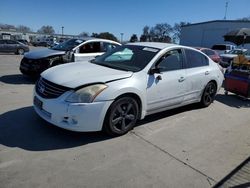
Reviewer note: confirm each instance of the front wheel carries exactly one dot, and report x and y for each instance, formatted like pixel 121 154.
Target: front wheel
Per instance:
pixel 20 51
pixel 208 94
pixel 121 117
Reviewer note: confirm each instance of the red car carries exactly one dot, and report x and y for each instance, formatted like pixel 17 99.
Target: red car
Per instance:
pixel 210 53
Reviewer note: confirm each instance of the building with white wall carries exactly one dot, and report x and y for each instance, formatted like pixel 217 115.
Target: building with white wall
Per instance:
pixel 206 34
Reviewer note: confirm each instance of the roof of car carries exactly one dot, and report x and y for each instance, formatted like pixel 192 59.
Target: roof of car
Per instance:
pixel 96 39
pixel 159 45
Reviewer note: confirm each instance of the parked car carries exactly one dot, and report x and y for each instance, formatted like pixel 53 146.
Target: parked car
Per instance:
pixel 210 53
pixel 23 41
pixel 44 44
pixel 13 46
pixel 228 57
pixel 223 48
pixel 124 85
pixel 35 62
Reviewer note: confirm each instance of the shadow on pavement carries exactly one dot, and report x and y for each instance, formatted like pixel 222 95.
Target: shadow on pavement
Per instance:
pixel 17 79
pixel 24 129
pixel 233 100
pixel 168 113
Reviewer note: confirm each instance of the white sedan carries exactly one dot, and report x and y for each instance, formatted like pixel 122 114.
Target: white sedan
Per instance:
pixel 120 87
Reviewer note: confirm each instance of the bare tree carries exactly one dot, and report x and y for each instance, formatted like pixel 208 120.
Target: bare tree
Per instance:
pixel 245 18
pixel 23 29
pixel 104 35
pixel 46 29
pixel 161 32
pixel 84 34
pixel 177 30
pixel 7 26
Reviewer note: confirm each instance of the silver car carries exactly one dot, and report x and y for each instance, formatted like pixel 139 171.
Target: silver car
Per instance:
pixel 13 47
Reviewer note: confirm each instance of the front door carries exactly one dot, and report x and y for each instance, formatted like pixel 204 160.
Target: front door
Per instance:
pixel 88 51
pixel 167 88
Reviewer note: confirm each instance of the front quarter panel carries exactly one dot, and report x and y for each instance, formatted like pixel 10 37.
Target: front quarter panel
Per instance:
pixel 136 84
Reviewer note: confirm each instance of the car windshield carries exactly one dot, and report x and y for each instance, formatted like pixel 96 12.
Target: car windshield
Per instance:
pixel 127 57
pixel 68 45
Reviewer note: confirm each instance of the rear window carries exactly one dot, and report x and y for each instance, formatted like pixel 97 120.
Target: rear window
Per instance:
pixel 195 59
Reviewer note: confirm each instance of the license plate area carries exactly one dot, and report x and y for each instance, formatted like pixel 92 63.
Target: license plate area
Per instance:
pixel 38 103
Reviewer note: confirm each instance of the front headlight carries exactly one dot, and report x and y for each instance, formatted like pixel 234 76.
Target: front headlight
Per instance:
pixel 86 94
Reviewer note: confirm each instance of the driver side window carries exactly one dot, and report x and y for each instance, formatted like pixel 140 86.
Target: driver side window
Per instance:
pixel 172 60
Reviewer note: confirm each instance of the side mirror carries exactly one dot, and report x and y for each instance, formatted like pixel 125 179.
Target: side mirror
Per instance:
pixel 155 70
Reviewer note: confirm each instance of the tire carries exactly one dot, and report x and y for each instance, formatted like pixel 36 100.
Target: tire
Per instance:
pixel 20 51
pixel 121 116
pixel 208 94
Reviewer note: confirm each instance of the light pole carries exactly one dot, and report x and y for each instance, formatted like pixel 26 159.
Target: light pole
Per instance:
pixel 62 30
pixel 122 37
pixel 225 17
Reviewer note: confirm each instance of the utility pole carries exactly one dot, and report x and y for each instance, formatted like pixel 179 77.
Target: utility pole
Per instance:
pixel 225 17
pixel 62 30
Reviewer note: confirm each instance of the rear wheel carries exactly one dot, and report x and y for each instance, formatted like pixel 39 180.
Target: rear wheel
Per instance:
pixel 121 117
pixel 208 94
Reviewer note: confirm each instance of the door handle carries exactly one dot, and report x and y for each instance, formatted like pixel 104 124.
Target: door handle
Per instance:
pixel 207 73
pixel 181 79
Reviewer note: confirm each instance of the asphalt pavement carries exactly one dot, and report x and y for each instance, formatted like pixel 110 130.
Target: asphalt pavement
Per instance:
pixel 185 147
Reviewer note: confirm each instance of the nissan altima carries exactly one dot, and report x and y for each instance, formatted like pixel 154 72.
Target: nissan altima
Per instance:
pixel 124 85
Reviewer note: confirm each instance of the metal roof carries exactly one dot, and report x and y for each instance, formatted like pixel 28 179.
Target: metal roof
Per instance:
pixel 218 21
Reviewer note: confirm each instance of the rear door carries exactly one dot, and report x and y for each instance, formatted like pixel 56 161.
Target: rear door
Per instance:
pixel 88 51
pixel 197 73
pixel 11 46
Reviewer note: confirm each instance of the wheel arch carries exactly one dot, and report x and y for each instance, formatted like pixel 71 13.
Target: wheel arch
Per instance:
pixel 134 96
pixel 215 82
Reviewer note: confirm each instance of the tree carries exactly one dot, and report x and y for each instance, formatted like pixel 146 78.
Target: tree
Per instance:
pixel 84 34
pixel 161 33
pixel 7 26
pixel 46 29
pixel 105 35
pixel 23 29
pixel 143 38
pixel 177 30
pixel 158 33
pixel 133 38
pixel 146 33
pixel 245 18
pixel 95 35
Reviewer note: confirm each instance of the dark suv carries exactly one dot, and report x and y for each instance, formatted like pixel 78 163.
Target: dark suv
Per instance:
pixel 13 46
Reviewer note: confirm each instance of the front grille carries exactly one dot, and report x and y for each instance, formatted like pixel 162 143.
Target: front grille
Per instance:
pixel 49 90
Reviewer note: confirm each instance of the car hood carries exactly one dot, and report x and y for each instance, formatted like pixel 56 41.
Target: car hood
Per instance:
pixel 73 75
pixel 38 54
